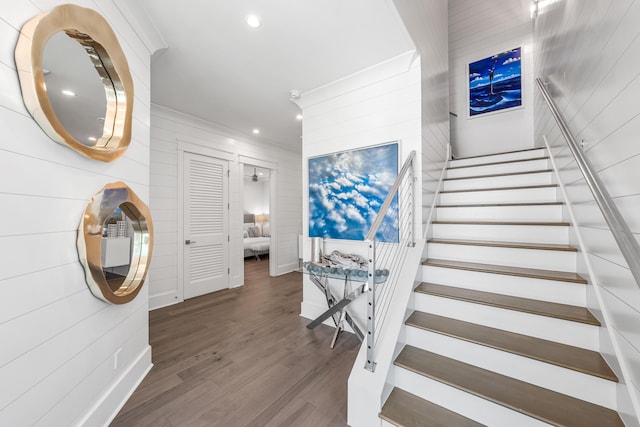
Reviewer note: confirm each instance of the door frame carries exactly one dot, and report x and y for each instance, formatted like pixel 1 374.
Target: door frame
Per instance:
pixel 203 151
pixel 273 208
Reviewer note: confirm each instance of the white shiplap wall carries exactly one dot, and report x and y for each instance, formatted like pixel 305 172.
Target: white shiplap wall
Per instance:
pixel 478 29
pixel 379 105
pixel 171 128
pixel 58 341
pixel 588 51
pixel 427 25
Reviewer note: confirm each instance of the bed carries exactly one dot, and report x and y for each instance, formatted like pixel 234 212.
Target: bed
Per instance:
pixel 256 238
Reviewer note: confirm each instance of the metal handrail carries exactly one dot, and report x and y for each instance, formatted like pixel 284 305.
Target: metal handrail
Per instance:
pixel 375 227
pixel 388 257
pixel 621 232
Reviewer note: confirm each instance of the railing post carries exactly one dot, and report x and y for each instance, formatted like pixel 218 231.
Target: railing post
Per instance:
pixel 371 303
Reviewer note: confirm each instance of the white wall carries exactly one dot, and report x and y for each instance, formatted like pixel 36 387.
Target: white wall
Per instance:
pixel 427 25
pixel 381 104
pixel 58 340
pixel 169 130
pixel 256 196
pixel 588 51
pixel 478 29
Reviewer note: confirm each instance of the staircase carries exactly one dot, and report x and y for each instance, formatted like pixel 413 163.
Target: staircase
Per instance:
pixel 500 335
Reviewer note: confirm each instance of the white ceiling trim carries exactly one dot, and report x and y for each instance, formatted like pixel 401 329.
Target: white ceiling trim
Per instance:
pixel 369 76
pixel 142 25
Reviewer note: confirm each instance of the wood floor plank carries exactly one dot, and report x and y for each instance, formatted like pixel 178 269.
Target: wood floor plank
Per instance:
pixel 575 358
pixel 499 162
pixel 535 273
pixel 408 410
pixel 242 357
pixel 546 405
pixel 524 187
pixel 514 245
pixel 571 313
pixel 499 174
pixel 463 222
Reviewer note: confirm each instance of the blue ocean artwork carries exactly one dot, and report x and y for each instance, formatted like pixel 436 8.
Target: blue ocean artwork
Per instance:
pixel 495 83
pixel 346 191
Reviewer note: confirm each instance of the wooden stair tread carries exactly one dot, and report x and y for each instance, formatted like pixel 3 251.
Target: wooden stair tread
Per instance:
pixel 497 154
pixel 408 410
pixel 571 313
pixel 499 163
pixel 524 187
pixel 500 174
pixel 475 205
pixel 515 245
pixel 535 273
pixel 566 356
pixel 552 224
pixel 546 405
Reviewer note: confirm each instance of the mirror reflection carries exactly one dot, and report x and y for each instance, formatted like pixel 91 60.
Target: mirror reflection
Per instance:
pixel 76 82
pixel 117 248
pixel 115 243
pixel 74 88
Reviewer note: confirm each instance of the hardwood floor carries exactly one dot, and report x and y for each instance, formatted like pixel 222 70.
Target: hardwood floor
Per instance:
pixel 243 357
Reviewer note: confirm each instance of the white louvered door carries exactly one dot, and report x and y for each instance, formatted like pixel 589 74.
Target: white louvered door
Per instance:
pixel 206 195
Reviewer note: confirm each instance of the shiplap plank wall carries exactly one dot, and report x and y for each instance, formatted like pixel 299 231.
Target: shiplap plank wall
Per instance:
pixel 384 109
pixel 478 29
pixel 58 340
pixel 588 51
pixel 169 127
pixel 427 24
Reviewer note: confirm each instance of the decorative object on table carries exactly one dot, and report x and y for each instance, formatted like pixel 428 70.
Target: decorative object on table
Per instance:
pixel 103 285
pixel 347 189
pixel 73 49
pixel 495 83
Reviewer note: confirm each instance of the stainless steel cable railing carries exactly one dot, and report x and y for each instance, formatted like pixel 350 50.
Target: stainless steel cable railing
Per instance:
pixel 392 234
pixel 618 226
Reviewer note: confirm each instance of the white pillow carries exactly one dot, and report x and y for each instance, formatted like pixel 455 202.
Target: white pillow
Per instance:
pixel 266 230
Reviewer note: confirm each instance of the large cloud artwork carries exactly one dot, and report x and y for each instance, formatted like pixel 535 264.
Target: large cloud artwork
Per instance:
pixel 347 189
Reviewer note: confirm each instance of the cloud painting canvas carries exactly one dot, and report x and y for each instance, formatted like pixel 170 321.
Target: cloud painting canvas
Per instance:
pixel 347 189
pixel 495 83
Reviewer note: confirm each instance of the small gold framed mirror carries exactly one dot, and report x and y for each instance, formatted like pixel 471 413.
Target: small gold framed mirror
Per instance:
pixel 115 243
pixel 76 82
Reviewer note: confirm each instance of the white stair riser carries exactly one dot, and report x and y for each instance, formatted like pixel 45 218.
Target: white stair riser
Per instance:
pixel 536 213
pixel 513 257
pixel 503 233
pixel 566 381
pixel 545 194
pixel 499 158
pixel 518 180
pixel 562 331
pixel 524 287
pixel 466 404
pixel 529 165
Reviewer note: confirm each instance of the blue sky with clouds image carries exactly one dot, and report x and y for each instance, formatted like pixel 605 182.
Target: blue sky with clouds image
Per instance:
pixel 347 189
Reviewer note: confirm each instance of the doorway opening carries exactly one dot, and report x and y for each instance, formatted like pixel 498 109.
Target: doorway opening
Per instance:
pixel 256 213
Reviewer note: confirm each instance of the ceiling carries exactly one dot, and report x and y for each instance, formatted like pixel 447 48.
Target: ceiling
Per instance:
pixel 219 69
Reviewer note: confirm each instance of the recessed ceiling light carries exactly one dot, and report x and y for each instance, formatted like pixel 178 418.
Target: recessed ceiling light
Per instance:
pixel 253 21
pixel 256 131
pixel 299 116
pixel 69 92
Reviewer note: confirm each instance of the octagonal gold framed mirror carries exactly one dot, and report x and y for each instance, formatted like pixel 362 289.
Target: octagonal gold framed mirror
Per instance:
pixel 76 82
pixel 115 243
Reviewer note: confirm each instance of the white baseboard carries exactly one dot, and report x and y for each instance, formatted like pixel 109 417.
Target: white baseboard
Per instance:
pixel 163 300
pixel 112 401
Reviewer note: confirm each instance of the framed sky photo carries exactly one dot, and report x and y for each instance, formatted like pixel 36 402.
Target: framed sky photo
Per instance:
pixel 347 189
pixel 495 83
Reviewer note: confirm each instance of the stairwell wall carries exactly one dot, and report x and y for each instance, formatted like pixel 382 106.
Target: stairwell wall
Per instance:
pixel 478 29
pixel 66 358
pixel 588 52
